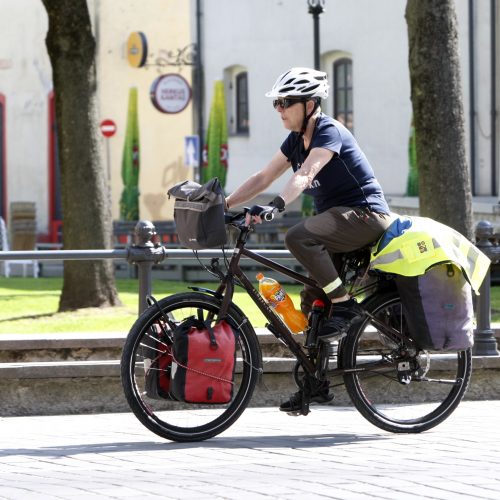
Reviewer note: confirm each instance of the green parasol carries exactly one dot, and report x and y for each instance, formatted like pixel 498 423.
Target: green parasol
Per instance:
pixel 215 152
pixel 129 201
pixel 412 182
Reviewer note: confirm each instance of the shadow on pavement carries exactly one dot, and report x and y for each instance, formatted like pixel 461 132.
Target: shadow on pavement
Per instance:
pixel 233 442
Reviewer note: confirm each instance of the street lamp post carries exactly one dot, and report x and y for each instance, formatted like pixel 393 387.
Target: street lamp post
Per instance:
pixel 316 7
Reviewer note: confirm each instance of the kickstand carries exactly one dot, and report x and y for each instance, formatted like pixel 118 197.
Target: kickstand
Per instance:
pixel 306 397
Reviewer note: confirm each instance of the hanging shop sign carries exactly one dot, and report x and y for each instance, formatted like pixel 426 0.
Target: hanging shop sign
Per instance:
pixel 170 93
pixel 137 49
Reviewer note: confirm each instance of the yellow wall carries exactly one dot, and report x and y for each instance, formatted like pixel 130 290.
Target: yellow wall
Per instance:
pixel 167 28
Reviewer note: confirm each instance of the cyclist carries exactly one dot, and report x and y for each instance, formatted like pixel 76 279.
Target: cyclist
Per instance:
pixel 329 165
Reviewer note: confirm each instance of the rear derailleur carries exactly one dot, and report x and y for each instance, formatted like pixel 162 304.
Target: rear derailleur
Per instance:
pixel 408 369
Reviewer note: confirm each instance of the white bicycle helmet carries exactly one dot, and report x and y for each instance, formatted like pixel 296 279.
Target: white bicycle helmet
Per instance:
pixel 301 82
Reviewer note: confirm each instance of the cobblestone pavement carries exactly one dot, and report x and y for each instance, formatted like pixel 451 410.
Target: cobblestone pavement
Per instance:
pixel 332 453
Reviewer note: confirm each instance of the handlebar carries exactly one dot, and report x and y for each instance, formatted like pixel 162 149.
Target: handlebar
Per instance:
pixel 238 219
pixel 235 219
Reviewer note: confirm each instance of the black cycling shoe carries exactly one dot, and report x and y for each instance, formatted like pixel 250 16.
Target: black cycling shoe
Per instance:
pixel 338 324
pixel 294 404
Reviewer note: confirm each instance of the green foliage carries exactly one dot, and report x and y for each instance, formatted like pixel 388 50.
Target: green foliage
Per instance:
pixel 495 303
pixel 29 305
pixel 412 182
pixel 307 208
pixel 129 201
pixel 215 154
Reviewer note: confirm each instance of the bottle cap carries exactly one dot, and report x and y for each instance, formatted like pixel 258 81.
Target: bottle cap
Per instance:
pixel 259 276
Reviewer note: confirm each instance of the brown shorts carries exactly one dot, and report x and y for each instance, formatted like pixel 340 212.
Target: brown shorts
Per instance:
pixel 314 240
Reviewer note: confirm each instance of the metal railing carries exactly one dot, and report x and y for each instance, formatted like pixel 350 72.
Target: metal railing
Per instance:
pixel 144 254
pixel 485 343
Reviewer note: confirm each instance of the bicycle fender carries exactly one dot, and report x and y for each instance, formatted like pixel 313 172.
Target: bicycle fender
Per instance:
pixel 208 291
pixel 219 296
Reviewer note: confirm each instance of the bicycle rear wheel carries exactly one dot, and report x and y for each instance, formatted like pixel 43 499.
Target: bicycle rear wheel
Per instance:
pixel 179 421
pixel 394 385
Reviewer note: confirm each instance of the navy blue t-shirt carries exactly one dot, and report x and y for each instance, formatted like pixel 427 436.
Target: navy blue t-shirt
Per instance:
pixel 347 180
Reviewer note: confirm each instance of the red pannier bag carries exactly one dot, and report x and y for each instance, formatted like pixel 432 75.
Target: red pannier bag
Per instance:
pixel 157 363
pixel 204 361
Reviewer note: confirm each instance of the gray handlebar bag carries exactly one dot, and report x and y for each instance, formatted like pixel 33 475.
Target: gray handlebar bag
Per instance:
pixel 199 214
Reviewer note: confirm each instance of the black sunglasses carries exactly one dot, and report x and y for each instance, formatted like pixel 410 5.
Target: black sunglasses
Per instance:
pixel 286 102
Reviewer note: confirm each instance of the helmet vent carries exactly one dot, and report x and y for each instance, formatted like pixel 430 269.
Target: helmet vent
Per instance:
pixel 310 88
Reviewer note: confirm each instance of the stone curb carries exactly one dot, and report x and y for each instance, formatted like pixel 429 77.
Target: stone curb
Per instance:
pixel 111 368
pixel 33 341
pixel 101 368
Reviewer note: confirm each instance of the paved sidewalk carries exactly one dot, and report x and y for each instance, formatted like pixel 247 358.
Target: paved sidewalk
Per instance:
pixel 332 453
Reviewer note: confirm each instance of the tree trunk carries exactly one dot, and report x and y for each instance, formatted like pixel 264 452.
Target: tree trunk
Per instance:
pixel 84 190
pixel 444 180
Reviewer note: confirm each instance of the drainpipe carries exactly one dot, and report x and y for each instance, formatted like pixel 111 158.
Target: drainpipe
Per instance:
pixel 493 51
pixel 472 99
pixel 199 84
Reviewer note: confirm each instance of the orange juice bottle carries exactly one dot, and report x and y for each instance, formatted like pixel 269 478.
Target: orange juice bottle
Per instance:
pixel 281 302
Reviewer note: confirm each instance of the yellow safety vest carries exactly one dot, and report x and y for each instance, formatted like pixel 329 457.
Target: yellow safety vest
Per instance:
pixel 426 243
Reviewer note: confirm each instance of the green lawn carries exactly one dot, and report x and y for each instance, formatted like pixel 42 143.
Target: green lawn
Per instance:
pixel 30 305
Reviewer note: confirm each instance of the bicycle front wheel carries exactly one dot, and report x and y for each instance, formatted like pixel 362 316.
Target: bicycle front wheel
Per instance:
pixel 174 420
pixel 395 386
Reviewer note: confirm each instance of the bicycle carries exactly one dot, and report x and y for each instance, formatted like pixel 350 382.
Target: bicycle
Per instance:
pixel 377 350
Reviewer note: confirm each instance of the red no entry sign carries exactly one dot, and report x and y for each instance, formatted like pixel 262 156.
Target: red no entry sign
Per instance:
pixel 108 128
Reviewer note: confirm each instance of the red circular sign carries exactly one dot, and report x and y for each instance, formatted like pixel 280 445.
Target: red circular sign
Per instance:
pixel 108 128
pixel 170 93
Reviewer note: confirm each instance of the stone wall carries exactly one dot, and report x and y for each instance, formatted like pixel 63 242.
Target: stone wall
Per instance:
pixel 68 374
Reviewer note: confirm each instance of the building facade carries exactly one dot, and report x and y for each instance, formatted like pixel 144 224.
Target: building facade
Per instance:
pixel 247 44
pixel 364 50
pixel 28 139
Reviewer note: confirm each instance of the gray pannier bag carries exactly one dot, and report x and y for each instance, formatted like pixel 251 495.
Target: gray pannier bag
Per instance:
pixel 199 214
pixel 438 308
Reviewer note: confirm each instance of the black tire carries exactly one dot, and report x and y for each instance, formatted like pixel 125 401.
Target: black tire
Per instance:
pixel 380 395
pixel 182 421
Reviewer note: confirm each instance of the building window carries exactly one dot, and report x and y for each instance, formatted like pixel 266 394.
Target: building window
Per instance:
pixel 242 122
pixel 342 87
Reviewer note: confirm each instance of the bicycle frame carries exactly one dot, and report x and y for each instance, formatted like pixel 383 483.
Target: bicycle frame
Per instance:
pixel 276 324
pixel 387 352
